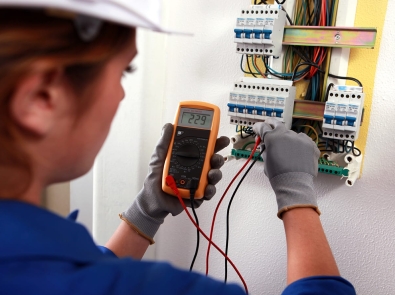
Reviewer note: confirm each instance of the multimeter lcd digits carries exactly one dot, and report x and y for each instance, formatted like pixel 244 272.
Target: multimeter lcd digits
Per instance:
pixel 188 158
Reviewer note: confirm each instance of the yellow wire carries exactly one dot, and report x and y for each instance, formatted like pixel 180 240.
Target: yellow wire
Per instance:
pixel 311 128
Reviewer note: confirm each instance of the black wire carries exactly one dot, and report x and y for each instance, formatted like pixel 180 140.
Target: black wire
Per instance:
pixel 327 91
pixel 319 127
pixel 249 68
pixel 241 133
pixel 249 131
pixel 346 78
pixel 228 211
pixel 241 66
pixel 322 71
pixel 246 130
pixel 286 13
pixel 353 150
pixel 192 198
pixel 308 14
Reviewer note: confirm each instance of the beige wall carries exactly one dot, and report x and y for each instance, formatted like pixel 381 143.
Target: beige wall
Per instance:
pixel 57 198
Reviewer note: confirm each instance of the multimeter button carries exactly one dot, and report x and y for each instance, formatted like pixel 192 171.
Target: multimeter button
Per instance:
pixel 180 133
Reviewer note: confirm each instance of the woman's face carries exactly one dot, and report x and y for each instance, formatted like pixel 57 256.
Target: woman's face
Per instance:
pixel 84 137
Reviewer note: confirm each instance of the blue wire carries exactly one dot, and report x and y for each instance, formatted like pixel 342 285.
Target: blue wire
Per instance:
pixel 283 74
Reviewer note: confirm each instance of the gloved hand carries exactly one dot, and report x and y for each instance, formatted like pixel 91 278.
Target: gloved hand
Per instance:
pixel 152 205
pixel 291 163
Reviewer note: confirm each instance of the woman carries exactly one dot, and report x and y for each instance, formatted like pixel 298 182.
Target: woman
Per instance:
pixel 61 63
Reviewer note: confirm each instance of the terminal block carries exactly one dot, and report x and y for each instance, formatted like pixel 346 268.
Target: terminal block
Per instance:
pixel 254 100
pixel 350 165
pixel 260 30
pixel 238 154
pixel 343 113
pixel 330 167
pixel 325 165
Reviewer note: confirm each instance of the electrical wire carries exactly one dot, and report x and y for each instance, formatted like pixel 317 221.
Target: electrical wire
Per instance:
pixel 230 204
pixel 282 75
pixel 171 182
pixel 192 198
pixel 249 67
pixel 327 91
pixel 222 198
pixel 245 72
pixel 355 149
pixel 346 78
pixel 322 71
pixel 247 144
pixel 255 64
pixel 241 133
pixel 312 129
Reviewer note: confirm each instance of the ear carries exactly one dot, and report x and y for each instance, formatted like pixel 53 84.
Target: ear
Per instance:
pixel 35 100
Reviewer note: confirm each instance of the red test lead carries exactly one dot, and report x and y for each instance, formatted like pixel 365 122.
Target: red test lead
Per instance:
pixel 172 184
pixel 258 141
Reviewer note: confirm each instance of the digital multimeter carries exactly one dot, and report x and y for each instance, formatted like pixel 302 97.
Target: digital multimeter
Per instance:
pixel 195 133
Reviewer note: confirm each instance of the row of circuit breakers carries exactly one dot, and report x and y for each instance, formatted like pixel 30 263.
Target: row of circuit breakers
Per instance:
pixel 253 100
pixel 259 30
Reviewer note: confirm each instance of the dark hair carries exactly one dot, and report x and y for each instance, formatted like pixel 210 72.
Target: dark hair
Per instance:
pixel 27 36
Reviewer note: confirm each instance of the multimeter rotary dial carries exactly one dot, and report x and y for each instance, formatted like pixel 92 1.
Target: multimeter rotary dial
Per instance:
pixel 187 154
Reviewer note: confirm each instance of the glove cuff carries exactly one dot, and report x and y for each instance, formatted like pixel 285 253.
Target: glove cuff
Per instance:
pixel 141 222
pixel 294 190
pixel 137 230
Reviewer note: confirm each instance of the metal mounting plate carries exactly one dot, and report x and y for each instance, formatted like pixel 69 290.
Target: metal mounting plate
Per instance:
pixel 330 36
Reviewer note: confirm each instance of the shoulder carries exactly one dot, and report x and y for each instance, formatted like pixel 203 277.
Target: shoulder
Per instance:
pixel 106 276
pixel 324 285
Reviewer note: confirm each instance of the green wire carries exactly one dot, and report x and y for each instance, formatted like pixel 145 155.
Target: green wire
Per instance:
pixel 247 144
pixel 253 64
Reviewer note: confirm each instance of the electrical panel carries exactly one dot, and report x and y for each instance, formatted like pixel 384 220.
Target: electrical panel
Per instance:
pixel 253 100
pixel 343 113
pixel 260 30
pixel 331 115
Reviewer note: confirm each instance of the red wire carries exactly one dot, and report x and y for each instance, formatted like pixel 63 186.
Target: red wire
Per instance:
pixel 319 52
pixel 170 182
pixel 220 201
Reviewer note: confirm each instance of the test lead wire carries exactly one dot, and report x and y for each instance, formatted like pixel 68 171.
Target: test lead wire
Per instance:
pixel 172 184
pixel 229 205
pixel 193 185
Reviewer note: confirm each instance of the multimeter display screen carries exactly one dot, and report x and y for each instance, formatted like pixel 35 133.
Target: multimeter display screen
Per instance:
pixel 196 118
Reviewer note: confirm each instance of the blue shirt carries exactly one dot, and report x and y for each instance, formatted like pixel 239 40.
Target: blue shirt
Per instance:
pixel 42 253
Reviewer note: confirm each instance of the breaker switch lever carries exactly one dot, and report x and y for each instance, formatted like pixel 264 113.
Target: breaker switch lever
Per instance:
pixel 238 33
pixel 267 33
pixel 247 33
pixel 257 33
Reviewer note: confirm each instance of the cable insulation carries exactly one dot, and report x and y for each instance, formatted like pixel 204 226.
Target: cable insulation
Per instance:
pixel 171 182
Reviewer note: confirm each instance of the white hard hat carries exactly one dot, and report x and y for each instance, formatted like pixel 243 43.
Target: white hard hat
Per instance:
pixel 131 13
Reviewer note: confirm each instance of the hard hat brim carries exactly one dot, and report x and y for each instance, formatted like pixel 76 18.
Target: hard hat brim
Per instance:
pixel 124 13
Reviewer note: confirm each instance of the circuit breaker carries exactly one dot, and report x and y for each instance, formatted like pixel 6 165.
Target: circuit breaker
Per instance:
pixel 260 30
pixel 254 100
pixel 343 113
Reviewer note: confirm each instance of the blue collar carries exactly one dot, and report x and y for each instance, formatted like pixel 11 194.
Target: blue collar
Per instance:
pixel 28 232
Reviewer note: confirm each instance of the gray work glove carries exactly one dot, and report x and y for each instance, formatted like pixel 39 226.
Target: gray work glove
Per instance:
pixel 152 204
pixel 291 163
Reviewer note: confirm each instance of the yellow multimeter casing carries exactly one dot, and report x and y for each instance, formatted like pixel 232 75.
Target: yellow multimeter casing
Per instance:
pixel 195 133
